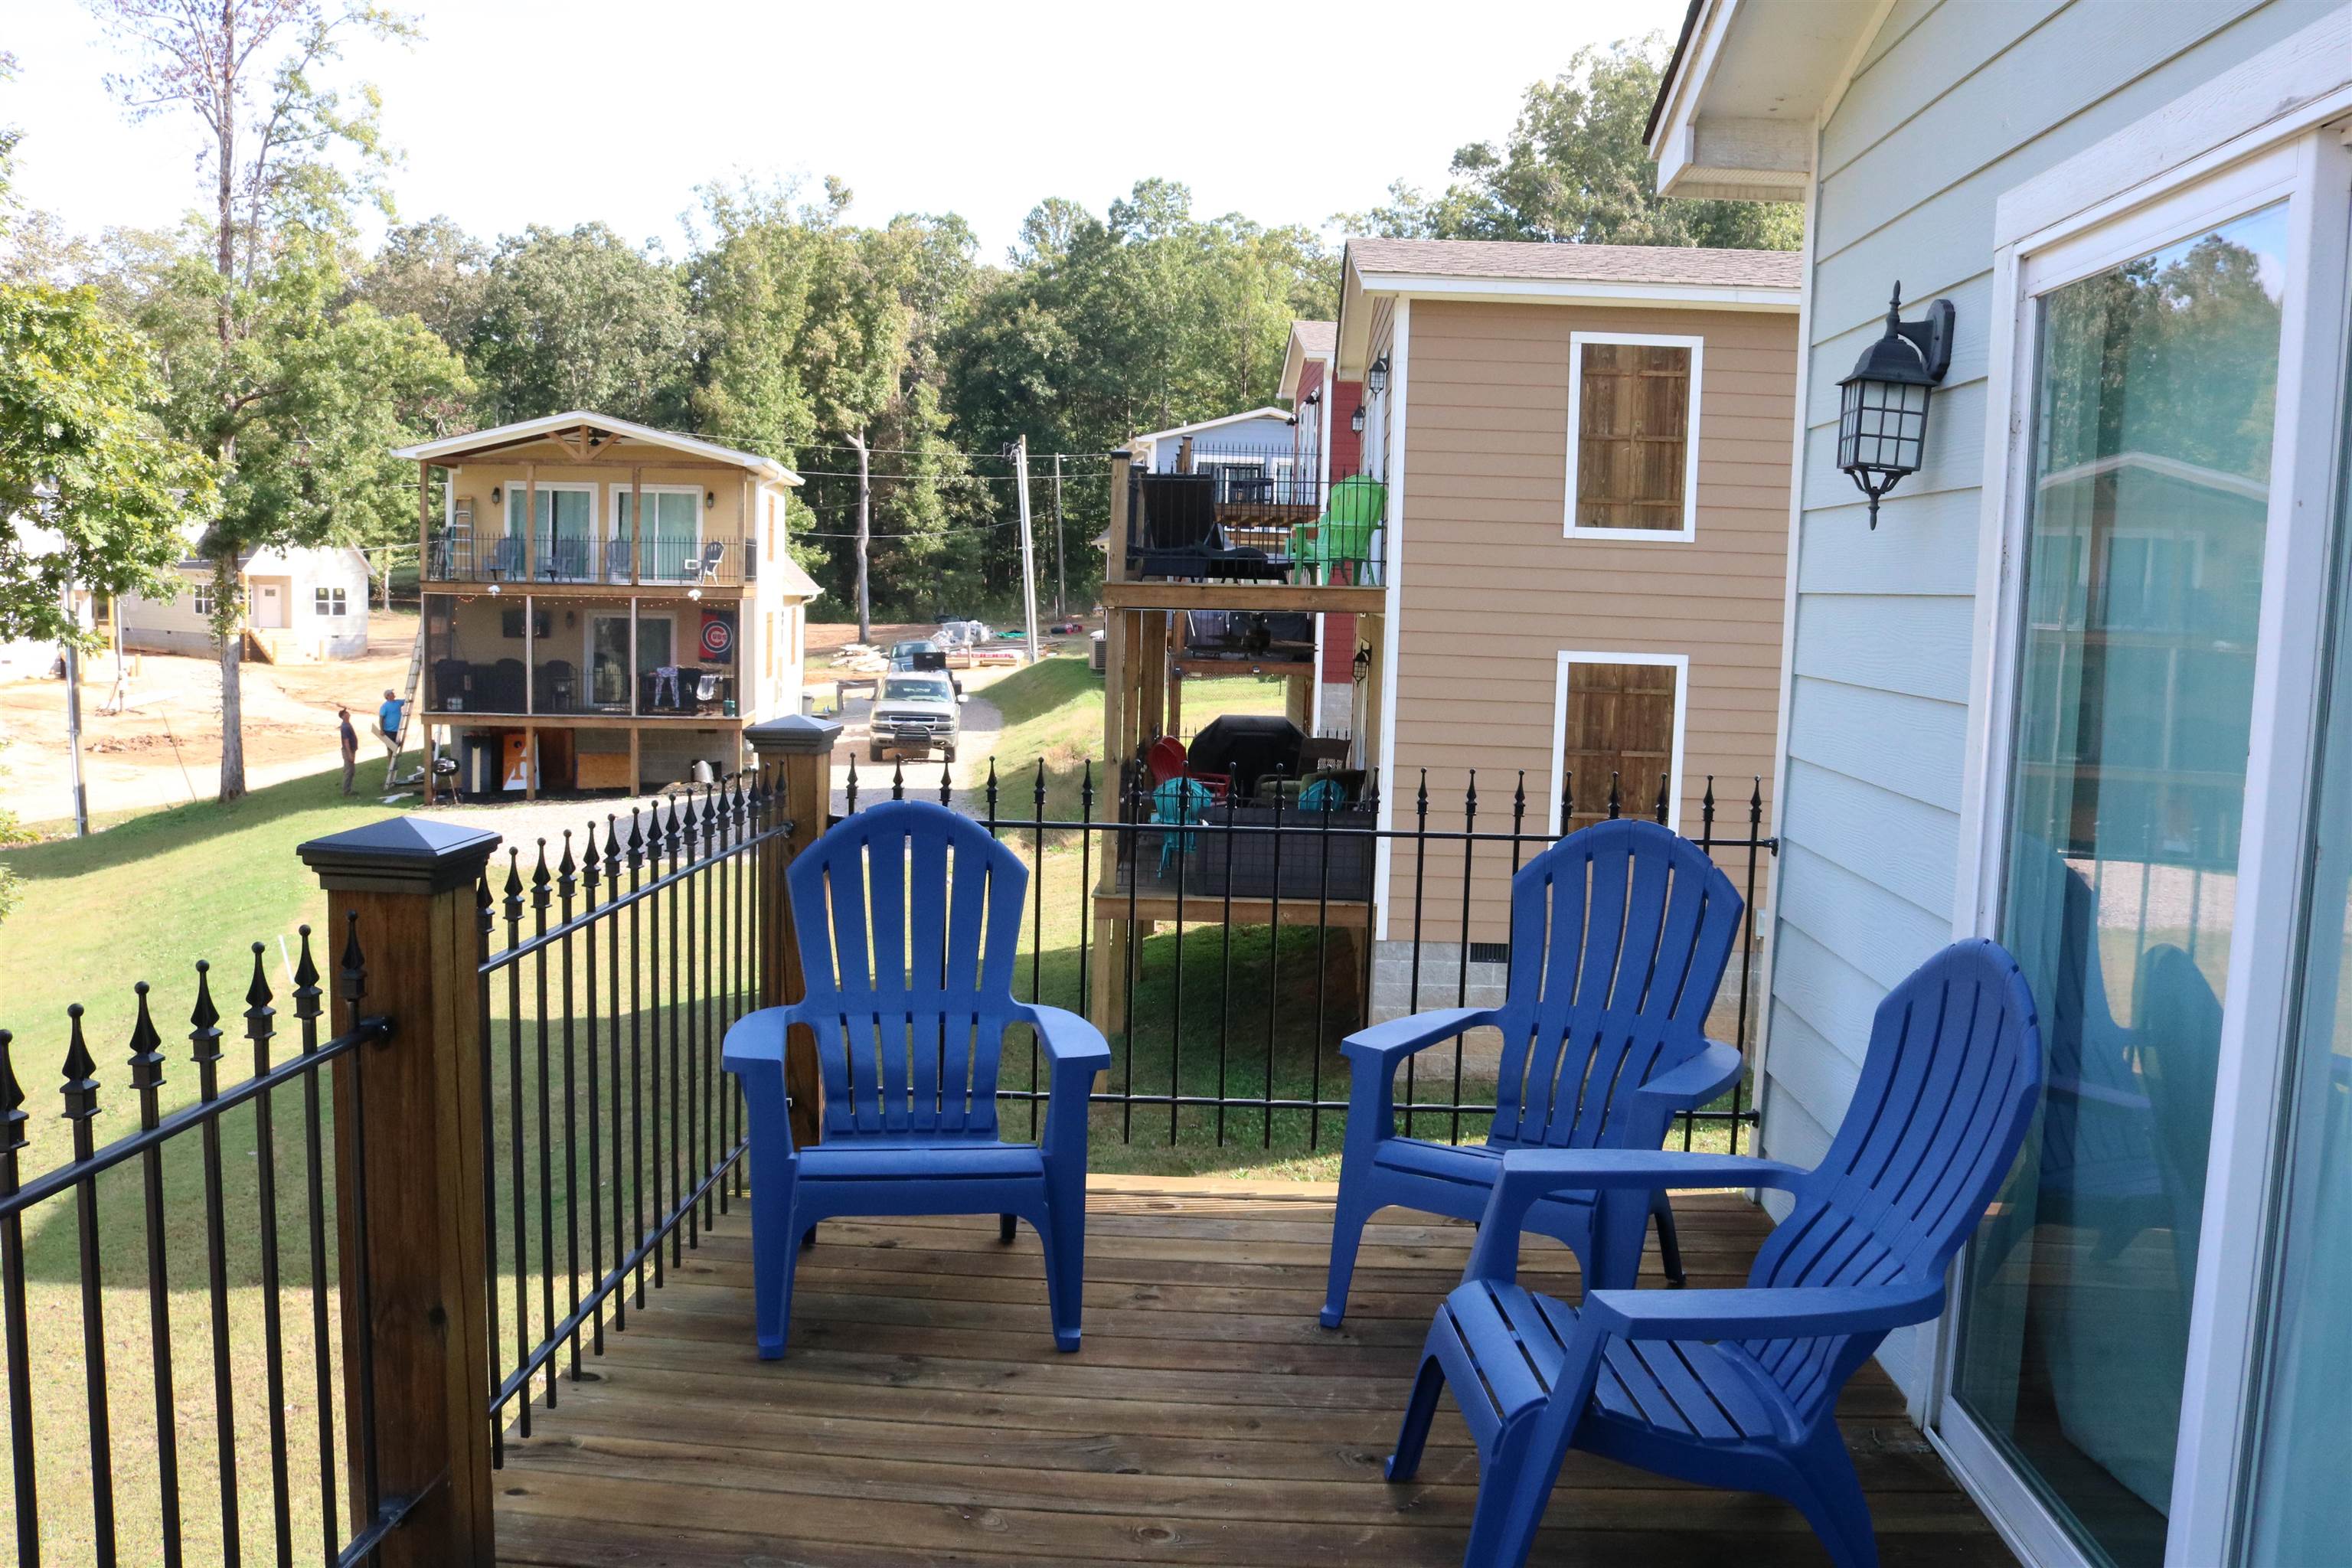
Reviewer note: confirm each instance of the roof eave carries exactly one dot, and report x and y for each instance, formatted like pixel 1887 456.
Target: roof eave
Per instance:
pixel 1587 291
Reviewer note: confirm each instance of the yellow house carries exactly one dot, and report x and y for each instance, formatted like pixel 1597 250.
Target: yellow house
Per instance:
pixel 606 605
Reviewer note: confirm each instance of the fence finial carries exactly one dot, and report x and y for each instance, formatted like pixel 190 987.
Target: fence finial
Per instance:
pixel 12 1098
pixel 204 1020
pixel 80 1072
pixel 305 968
pixel 147 1045
pixel 350 979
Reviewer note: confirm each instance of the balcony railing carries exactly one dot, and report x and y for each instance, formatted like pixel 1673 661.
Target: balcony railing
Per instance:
pixel 691 558
pixel 508 688
pixel 1253 519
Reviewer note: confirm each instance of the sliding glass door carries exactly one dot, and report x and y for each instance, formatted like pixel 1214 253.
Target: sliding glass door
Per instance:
pixel 2299 1508
pixel 2146 502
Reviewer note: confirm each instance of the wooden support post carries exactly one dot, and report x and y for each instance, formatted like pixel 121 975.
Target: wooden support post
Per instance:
pixel 400 898
pixel 531 525
pixel 801 749
pixel 636 563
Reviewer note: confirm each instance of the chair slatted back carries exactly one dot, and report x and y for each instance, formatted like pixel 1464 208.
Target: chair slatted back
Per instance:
pixel 1620 933
pixel 1947 1092
pixel 909 915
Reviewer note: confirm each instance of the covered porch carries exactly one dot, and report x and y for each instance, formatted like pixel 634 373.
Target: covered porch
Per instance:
pixel 923 1415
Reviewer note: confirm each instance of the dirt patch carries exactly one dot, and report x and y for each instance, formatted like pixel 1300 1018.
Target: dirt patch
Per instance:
pixel 164 748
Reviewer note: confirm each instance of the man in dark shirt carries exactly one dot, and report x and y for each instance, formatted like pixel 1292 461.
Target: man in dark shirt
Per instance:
pixel 351 743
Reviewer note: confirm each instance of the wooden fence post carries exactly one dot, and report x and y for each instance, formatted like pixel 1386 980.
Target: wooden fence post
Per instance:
pixel 400 899
pixel 801 749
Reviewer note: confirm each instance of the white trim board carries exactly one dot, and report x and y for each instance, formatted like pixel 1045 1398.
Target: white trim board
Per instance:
pixel 1393 603
pixel 1577 343
pixel 1583 291
pixel 1680 663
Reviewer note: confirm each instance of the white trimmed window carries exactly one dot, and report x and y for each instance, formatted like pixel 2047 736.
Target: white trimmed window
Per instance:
pixel 1633 436
pixel 330 601
pixel 204 600
pixel 1617 718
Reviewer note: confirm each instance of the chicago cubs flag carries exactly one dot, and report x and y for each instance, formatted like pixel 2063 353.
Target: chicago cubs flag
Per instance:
pixel 718 634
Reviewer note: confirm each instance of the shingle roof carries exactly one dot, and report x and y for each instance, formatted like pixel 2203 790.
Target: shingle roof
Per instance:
pixel 1317 339
pixel 1532 261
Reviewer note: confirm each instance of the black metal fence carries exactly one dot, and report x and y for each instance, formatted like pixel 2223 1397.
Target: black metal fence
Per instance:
pixel 608 977
pixel 1226 945
pixel 262 1206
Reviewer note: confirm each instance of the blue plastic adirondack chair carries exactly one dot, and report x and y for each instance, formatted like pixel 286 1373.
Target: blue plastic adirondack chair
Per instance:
pixel 1739 1388
pixel 1618 937
pixel 908 916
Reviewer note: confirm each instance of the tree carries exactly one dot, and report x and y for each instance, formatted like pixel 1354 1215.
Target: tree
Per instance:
pixel 1575 169
pixel 436 272
pixel 582 319
pixel 289 158
pixel 94 495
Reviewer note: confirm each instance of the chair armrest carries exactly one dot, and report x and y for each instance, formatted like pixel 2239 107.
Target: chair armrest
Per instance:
pixel 753 1051
pixel 1697 1081
pixel 1389 1043
pixel 756 1038
pixel 1067 1038
pixel 1530 1175
pixel 1799 1311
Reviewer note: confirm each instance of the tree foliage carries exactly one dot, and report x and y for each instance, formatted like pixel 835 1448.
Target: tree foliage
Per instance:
pixel 93 493
pixel 582 319
pixel 1575 169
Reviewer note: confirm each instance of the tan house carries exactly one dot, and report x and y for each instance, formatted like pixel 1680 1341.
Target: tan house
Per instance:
pixel 1585 453
pixel 606 605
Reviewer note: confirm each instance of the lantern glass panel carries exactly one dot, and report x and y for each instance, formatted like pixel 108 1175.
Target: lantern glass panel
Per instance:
pixel 1883 425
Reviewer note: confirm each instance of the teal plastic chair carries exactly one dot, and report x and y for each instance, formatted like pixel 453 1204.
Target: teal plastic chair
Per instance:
pixel 1739 1388
pixel 1180 802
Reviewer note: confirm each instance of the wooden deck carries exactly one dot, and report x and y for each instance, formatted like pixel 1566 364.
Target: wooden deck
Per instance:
pixel 923 1416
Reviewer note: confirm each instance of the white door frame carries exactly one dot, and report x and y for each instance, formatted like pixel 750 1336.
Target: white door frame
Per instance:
pixel 2310 170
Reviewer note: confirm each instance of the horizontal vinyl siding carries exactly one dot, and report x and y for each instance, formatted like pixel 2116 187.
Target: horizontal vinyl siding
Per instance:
pixel 1954 104
pixel 1491 591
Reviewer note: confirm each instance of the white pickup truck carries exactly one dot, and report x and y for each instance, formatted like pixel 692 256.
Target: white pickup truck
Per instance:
pixel 915 711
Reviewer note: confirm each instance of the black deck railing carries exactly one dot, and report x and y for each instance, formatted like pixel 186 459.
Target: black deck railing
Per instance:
pixel 1254 517
pixel 608 978
pixel 317 1443
pixel 1246 1001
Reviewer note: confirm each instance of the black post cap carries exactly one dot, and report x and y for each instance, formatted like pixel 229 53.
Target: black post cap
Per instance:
pixel 795 734
pixel 400 855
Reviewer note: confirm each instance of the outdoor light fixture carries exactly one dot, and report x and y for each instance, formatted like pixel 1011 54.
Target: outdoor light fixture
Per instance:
pixel 1882 406
pixel 1356 420
pixel 1377 378
pixel 1362 665
pixel 494 495
pixel 1314 397
pixel 710 500
pixel 494 590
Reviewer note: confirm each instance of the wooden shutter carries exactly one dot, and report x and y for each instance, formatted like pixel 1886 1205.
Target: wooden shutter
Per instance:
pixel 1633 426
pixel 1620 720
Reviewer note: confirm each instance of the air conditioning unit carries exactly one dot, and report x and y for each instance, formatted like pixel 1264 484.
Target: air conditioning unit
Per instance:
pixel 1098 655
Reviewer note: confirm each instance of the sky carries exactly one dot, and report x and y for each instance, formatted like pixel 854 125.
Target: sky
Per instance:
pixel 511 113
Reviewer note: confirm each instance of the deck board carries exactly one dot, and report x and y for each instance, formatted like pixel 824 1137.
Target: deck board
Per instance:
pixel 923 1415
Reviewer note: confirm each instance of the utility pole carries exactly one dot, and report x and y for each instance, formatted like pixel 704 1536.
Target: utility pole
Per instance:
pixel 73 719
pixel 865 524
pixel 1061 578
pixel 1028 547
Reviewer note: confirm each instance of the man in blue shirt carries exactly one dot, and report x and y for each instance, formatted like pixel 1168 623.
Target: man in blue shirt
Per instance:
pixel 387 722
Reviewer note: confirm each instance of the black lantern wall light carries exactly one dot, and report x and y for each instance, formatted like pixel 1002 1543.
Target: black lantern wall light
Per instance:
pixel 1882 406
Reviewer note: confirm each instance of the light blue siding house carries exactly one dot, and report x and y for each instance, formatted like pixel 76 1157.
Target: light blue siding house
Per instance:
pixel 2085 687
